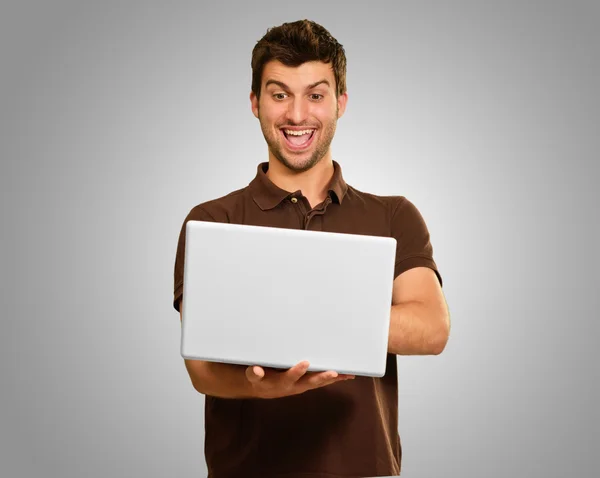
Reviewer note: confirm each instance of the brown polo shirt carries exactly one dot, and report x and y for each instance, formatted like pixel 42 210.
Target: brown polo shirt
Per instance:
pixel 346 429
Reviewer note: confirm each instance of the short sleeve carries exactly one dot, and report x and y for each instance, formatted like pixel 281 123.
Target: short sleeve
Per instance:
pixel 414 247
pixel 196 214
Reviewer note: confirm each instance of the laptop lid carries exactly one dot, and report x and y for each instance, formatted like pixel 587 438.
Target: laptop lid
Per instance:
pixel 273 297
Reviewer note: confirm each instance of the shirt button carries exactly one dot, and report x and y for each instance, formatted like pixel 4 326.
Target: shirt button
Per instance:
pixel 294 200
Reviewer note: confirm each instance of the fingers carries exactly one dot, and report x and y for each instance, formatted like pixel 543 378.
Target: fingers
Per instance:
pixel 292 381
pixel 299 373
pixel 295 373
pixel 321 379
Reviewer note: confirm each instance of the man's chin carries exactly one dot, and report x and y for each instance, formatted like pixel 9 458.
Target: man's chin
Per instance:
pixel 297 164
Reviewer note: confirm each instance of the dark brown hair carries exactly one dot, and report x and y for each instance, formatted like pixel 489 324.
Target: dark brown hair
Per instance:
pixel 295 43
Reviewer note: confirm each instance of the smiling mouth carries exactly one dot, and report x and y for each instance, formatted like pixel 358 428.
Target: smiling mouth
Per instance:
pixel 297 140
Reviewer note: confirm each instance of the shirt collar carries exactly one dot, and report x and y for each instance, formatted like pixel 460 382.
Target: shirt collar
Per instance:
pixel 267 195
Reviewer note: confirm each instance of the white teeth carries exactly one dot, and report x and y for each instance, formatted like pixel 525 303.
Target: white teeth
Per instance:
pixel 298 133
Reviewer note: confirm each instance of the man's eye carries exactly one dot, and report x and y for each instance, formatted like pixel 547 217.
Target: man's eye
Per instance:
pixel 317 95
pixel 279 96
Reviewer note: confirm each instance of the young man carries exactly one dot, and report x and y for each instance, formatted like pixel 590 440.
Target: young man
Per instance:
pixel 267 423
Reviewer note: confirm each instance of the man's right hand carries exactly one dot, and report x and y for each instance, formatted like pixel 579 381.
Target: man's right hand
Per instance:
pixel 296 380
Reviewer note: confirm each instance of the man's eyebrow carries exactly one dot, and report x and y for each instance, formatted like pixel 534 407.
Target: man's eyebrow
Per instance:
pixel 285 87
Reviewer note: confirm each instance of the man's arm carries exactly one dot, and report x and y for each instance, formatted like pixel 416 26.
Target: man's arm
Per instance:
pixel 239 381
pixel 420 319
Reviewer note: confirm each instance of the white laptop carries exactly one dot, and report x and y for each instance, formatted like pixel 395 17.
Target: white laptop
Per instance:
pixel 274 297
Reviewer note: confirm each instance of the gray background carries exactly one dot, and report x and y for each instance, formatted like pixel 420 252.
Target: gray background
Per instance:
pixel 117 118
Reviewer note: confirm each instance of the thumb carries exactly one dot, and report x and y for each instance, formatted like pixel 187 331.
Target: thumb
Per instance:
pixel 254 374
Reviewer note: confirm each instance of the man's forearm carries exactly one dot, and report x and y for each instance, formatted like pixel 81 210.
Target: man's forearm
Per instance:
pixel 219 379
pixel 415 330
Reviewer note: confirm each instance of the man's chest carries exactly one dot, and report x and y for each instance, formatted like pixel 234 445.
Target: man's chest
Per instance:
pixel 332 218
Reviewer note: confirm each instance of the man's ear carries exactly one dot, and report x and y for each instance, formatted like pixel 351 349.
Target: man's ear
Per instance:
pixel 342 101
pixel 254 103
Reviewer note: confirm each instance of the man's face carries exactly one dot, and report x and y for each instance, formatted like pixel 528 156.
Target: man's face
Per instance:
pixel 298 112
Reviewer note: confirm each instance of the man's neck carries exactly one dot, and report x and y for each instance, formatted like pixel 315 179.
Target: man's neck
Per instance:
pixel 313 183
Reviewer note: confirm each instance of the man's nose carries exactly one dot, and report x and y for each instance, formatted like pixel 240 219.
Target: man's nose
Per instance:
pixel 297 111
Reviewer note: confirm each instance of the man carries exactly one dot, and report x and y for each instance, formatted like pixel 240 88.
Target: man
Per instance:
pixel 267 423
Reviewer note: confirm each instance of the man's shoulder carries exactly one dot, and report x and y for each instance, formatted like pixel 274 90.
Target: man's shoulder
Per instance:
pixel 396 209
pixel 219 208
pixel 373 200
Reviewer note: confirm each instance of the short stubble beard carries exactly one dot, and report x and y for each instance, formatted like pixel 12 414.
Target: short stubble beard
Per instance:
pixel 321 150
